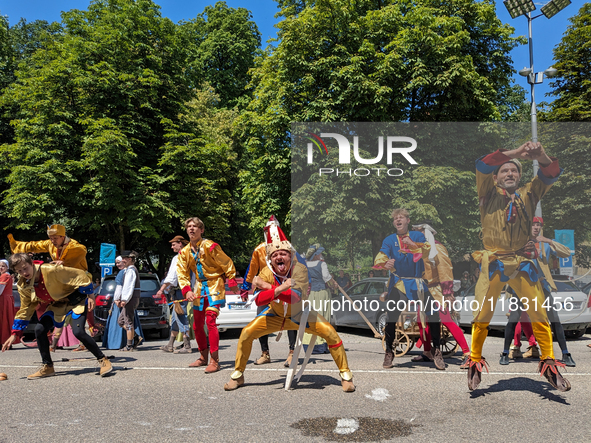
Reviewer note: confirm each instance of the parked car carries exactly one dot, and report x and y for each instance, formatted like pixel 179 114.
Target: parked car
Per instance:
pixel 236 314
pixel 365 294
pixel 152 310
pixel 573 304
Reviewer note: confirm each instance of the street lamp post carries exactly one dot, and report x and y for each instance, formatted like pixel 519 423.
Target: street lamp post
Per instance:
pixel 517 8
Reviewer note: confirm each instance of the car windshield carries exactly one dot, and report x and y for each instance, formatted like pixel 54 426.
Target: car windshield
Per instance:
pixel 566 286
pixel 146 285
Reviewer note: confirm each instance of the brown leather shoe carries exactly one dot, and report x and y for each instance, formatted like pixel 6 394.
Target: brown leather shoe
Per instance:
pixel 348 385
pixel 234 384
pixel 549 369
pixel 515 353
pixel 201 361
pixel 263 359
pixel 44 371
pixel 532 352
pixel 475 373
pixel 287 362
pixel 214 364
pixel 438 360
pixel 80 348
pixel 106 366
pixel 388 358
pixel 423 358
pixel 167 348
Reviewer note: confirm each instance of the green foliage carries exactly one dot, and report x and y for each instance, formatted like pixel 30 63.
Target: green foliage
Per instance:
pixel 572 56
pixel 363 61
pixel 222 42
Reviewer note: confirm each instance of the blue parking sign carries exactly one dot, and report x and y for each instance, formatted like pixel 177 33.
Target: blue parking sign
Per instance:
pixel 106 270
pixel 566 262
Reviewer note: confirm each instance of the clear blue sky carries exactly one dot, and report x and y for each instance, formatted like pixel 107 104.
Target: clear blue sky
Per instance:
pixel 546 33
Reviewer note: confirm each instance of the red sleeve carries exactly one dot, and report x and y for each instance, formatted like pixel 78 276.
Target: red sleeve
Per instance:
pixel 232 282
pixel 186 289
pixel 289 296
pixel 552 170
pixel 497 158
pixel 265 297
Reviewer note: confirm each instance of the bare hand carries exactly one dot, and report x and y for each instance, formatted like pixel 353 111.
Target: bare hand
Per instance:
pixel 190 296
pixel 389 265
pixel 56 262
pixel 408 242
pixel 117 303
pixel 259 283
pixel 531 151
pixel 541 238
pixel 122 304
pixel 91 303
pixel 8 343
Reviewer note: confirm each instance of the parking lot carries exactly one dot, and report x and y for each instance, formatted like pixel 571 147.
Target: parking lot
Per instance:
pixel 154 396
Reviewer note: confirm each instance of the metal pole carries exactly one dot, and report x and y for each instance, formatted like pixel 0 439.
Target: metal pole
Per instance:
pixel 534 115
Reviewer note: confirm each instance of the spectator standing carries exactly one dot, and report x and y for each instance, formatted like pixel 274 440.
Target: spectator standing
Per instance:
pixel 129 299
pixel 6 302
pixel 178 320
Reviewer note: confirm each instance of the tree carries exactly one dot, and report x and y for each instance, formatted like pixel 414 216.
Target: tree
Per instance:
pixel 363 61
pixel 572 84
pixel 89 124
pixel 568 205
pixel 222 42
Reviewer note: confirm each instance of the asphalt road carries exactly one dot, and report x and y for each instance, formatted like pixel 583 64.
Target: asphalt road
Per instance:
pixel 154 396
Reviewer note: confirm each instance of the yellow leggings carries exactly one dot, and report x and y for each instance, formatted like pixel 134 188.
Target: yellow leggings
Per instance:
pixel 524 288
pixel 263 325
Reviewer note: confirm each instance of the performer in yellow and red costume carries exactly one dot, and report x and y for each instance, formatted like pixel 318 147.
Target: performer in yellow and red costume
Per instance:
pixel 283 286
pixel 258 262
pixel 506 214
pixel 62 249
pixel 63 291
pixel 212 268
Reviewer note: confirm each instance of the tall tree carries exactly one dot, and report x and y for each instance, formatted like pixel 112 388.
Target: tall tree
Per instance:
pixel 568 205
pixel 223 42
pixel 89 123
pixel 420 60
pixel 572 84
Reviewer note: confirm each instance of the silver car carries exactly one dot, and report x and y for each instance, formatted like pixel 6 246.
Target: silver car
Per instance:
pixel 573 307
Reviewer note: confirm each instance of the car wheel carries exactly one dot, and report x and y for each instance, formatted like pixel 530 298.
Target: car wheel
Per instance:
pixel 574 334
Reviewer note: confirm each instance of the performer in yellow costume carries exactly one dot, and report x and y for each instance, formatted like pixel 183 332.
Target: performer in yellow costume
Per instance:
pixel 284 284
pixel 65 291
pixel 506 214
pixel 212 268
pixel 258 262
pixel 63 251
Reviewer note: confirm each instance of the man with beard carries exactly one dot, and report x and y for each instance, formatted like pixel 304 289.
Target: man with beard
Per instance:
pixel 212 269
pixel 258 262
pixel 545 249
pixel 402 254
pixel 283 283
pixel 506 213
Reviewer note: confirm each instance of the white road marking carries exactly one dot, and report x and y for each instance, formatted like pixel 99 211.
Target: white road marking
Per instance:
pixel 334 371
pixel 379 394
pixel 346 426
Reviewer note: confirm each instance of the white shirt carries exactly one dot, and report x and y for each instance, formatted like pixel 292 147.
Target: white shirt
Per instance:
pixel 171 277
pixel 128 285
